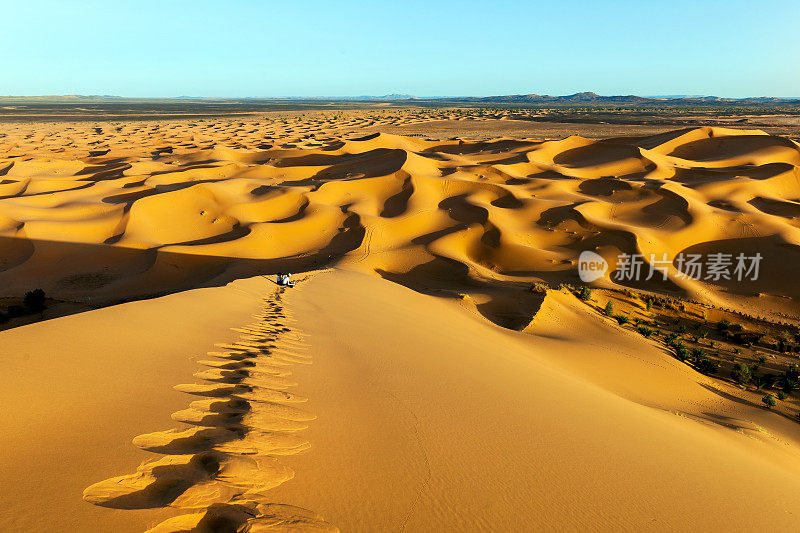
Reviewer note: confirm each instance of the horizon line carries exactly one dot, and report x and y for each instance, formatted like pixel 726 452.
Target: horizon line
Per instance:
pixel 401 96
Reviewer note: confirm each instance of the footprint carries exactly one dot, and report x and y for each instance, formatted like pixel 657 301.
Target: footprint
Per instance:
pixel 213 412
pixel 212 389
pixel 192 440
pixel 247 517
pixel 155 484
pixel 222 375
pixel 228 365
pixel 234 355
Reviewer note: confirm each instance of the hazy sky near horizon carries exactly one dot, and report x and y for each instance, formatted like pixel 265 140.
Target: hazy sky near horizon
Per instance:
pixel 238 48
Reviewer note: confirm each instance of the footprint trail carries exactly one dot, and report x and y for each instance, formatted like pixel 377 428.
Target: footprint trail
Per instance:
pixel 221 467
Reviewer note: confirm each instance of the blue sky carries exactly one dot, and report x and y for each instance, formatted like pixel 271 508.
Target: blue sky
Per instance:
pixel 242 48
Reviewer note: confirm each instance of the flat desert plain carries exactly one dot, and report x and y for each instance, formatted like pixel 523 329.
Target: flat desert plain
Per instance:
pixel 438 366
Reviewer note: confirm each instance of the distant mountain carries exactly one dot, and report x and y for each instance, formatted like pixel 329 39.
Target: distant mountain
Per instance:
pixel 588 98
pixel 592 99
pixel 582 99
pixel 390 97
pixel 362 98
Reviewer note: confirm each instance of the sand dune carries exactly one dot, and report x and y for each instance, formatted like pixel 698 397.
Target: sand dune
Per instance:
pixel 414 381
pixel 84 385
pixel 570 426
pixel 164 210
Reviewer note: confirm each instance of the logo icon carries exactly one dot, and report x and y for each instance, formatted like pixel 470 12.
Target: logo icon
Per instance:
pixel 591 266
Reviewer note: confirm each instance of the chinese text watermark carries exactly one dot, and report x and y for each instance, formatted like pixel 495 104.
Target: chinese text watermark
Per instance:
pixel 635 267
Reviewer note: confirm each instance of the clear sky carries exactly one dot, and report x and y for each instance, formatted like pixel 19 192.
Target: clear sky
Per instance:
pixel 239 48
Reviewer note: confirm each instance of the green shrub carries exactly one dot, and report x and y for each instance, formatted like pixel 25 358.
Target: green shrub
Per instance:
pixel 767 381
pixel 609 310
pixel 34 301
pixel 645 331
pixel 769 401
pixel 741 373
pixel 585 294
pixel 707 366
pixel 788 382
pixel 681 352
pixel 539 287
pixel 782 396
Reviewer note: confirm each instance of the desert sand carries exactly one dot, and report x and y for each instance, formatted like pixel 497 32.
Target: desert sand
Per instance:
pixel 412 380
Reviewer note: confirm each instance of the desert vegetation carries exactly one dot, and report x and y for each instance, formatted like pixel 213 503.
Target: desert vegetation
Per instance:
pixel 34 302
pixel 754 353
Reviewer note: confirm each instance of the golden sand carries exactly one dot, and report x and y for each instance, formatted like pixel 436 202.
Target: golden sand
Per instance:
pixel 411 380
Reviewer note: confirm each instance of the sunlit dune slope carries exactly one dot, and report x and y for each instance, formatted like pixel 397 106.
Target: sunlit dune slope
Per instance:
pixel 77 389
pixel 430 418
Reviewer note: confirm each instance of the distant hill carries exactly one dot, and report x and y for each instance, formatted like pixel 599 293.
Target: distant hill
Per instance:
pixel 593 99
pixel 582 99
